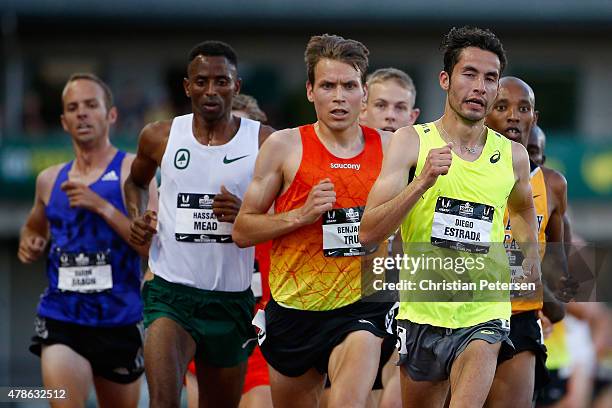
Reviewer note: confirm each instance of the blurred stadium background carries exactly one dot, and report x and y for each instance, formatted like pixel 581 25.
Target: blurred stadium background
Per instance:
pixel 561 48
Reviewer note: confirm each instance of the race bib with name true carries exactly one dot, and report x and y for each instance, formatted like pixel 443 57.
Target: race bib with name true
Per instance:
pixel 462 225
pixel 196 221
pixel 341 232
pixel 85 272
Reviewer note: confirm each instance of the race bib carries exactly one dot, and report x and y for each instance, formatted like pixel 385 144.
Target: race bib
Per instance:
pixel 85 272
pixel 341 232
pixel 515 259
pixel 196 222
pixel 462 225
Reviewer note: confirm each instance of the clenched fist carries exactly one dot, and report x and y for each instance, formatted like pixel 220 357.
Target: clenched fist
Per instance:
pixel 143 228
pixel 320 199
pixel 437 164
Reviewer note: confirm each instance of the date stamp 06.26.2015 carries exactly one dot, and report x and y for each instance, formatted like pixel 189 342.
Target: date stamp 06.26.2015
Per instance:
pixel 15 394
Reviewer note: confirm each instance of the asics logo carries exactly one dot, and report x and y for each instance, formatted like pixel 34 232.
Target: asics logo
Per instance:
pixel 495 157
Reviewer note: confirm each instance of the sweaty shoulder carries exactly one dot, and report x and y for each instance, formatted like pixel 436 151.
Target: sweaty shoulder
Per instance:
pixel 45 181
pixel 555 180
pixel 283 141
pixel 520 158
pixel 385 138
pixel 154 138
pixel 407 138
pixel 407 133
pixel 281 153
pixel 264 132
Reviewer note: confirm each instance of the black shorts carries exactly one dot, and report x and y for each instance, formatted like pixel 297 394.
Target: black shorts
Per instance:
pixel 427 352
pixel 526 335
pixel 115 353
pixel 387 350
pixel 298 340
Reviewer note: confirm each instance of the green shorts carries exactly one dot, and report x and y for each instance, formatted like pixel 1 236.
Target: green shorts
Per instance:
pixel 219 322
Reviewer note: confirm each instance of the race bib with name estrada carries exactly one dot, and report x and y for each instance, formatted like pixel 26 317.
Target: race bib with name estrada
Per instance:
pixel 341 232
pixel 196 221
pixel 85 272
pixel 462 225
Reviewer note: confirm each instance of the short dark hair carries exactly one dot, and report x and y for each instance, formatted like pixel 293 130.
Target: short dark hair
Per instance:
pixel 214 49
pixel 459 38
pixel 108 95
pixel 336 48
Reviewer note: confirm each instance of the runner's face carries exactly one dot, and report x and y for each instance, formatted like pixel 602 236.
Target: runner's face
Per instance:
pixel 337 93
pixel 513 114
pixel 472 88
pixel 85 116
pixel 389 106
pixel 211 84
pixel 535 147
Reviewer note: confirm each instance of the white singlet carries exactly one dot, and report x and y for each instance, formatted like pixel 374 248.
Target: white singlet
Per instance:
pixel 191 246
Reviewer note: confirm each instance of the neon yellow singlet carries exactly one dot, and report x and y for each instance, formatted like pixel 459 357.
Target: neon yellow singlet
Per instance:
pixel 458 217
pixel 556 345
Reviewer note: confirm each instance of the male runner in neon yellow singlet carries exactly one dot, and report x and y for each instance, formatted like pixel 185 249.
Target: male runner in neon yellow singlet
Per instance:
pixel 460 215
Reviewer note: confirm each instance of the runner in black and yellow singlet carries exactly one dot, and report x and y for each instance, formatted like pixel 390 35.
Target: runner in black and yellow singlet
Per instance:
pixel 452 211
pixel 513 115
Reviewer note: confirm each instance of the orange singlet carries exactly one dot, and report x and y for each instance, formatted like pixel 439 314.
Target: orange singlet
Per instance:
pixel 317 267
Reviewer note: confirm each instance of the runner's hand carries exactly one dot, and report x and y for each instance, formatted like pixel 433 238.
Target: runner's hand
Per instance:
pixel 80 195
pixel 226 205
pixel 320 199
pixel 31 247
pixel 531 272
pixel 437 163
pixel 567 289
pixel 143 228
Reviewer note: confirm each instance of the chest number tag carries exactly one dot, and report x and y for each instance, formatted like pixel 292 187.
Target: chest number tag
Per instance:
pixel 462 225
pixel 341 232
pixel 196 221
pixel 85 272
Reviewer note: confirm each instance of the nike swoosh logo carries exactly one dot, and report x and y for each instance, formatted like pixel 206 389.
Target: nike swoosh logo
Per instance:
pixel 228 161
pixel 536 196
pixel 183 236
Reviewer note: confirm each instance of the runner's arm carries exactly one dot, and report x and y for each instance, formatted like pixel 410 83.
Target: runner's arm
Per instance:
pixel 390 198
pixel 151 147
pixel 522 210
pixel 254 224
pixel 554 264
pixel 264 132
pixel 35 232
